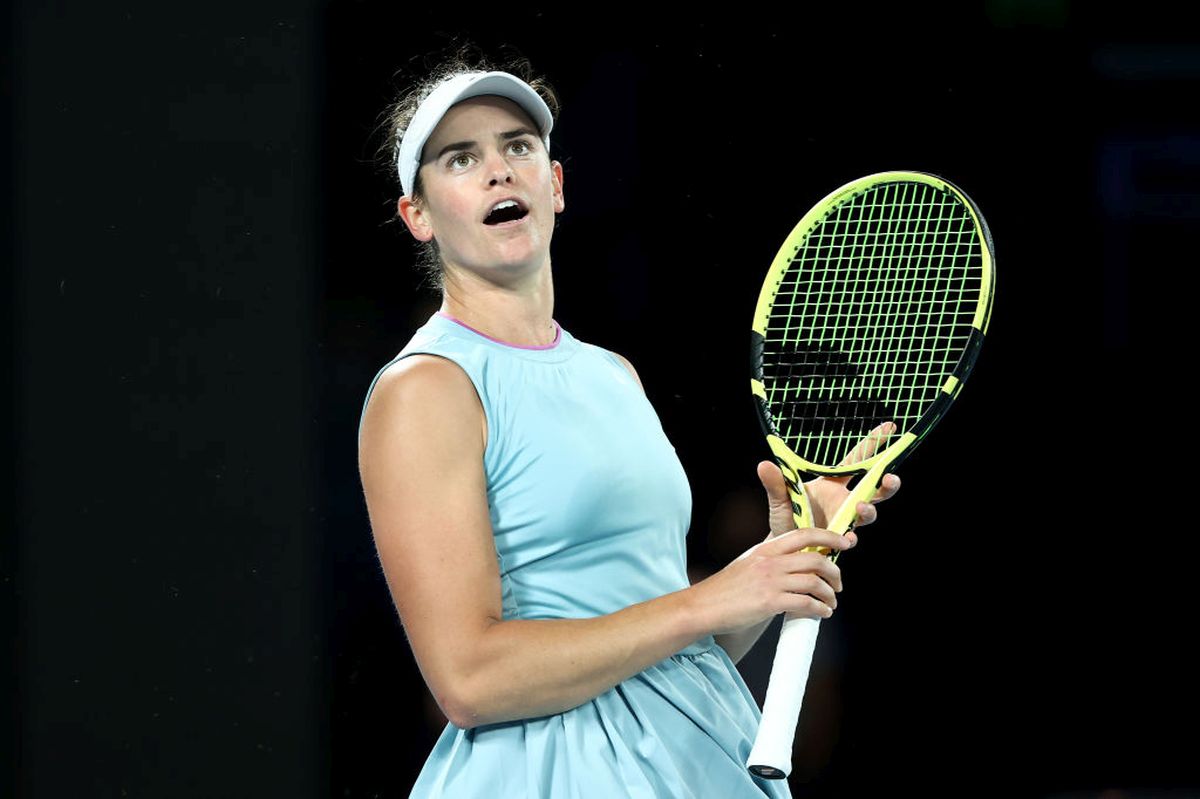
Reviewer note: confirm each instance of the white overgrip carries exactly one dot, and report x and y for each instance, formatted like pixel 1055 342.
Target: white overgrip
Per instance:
pixel 771 755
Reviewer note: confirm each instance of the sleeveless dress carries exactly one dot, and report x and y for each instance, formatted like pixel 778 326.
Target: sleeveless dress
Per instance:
pixel 590 509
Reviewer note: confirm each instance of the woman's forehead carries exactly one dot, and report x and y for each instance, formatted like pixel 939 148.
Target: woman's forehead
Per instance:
pixel 464 119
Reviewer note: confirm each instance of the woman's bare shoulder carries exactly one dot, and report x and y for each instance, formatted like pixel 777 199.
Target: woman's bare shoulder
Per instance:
pixel 441 379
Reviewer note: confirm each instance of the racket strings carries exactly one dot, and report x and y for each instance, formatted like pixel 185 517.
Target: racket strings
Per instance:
pixel 871 317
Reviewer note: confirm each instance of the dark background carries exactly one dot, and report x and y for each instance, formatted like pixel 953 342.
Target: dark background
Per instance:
pixel 205 280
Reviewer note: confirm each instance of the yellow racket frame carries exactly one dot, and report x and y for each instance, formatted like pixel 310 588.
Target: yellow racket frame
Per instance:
pixel 877 465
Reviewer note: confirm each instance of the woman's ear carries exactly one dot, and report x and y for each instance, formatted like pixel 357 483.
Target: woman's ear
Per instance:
pixel 556 175
pixel 414 218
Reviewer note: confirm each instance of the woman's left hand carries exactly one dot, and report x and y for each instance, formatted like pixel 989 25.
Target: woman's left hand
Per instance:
pixel 826 494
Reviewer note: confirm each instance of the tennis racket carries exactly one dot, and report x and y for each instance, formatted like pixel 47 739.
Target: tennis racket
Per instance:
pixel 873 311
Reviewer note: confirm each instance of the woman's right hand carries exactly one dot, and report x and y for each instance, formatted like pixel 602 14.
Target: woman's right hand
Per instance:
pixel 772 577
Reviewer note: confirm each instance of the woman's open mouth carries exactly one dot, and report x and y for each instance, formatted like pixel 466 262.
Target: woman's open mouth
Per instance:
pixel 506 213
pixel 510 223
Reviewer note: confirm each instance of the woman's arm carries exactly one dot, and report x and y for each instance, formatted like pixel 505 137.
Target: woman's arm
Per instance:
pixel 421 463
pixel 535 667
pixel 738 643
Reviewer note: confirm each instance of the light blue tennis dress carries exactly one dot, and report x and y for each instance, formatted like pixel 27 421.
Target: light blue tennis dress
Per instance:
pixel 590 508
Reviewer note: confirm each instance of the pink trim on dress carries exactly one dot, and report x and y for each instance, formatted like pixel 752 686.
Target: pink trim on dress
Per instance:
pixel 550 346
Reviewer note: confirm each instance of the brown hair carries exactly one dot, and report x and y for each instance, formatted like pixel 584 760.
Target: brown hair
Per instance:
pixel 398 115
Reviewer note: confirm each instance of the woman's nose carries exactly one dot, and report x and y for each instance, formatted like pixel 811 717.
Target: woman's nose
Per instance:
pixel 498 168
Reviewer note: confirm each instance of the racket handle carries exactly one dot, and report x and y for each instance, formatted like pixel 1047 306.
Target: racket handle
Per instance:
pixel 771 756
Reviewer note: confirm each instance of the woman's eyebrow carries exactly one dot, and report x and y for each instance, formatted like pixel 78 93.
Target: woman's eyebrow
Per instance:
pixel 462 145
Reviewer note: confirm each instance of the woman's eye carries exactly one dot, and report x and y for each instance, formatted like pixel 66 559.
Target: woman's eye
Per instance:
pixel 526 149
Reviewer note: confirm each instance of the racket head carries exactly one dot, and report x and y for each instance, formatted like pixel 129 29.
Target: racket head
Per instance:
pixel 874 309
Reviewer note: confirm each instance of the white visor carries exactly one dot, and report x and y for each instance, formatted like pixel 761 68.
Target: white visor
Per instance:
pixel 455 90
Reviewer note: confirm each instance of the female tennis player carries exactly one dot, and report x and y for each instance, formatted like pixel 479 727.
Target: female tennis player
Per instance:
pixel 529 512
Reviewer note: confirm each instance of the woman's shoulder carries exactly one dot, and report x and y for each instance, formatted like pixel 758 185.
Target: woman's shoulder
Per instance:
pixel 440 369
pixel 428 375
pixel 437 383
pixel 624 362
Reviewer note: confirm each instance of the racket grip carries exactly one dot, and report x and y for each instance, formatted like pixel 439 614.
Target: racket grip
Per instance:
pixel 771 756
